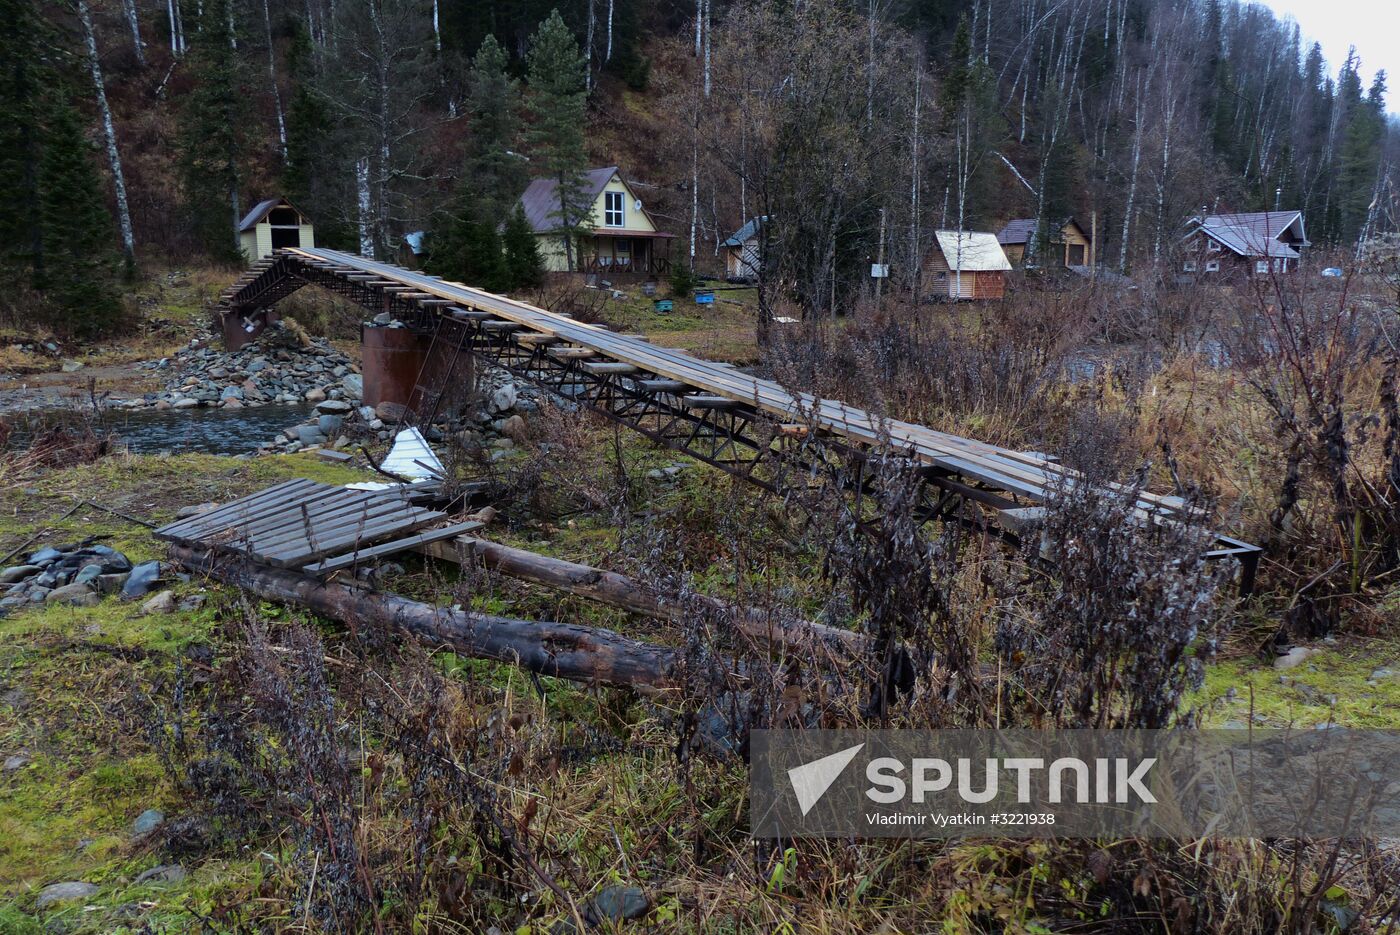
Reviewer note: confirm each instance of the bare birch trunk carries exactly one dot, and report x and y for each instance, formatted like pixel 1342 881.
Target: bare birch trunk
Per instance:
pixel 109 133
pixel 133 23
pixel 607 55
pixel 363 201
pixel 272 81
pixel 708 33
pixel 1132 185
pixel 588 48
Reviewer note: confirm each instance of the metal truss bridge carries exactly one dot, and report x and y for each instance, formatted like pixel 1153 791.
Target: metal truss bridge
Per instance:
pixel 752 428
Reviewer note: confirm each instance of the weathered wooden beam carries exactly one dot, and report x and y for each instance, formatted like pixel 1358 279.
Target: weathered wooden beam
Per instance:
pixel 662 385
pixel 571 353
pixel 617 590
pixel 607 367
pixel 581 654
pixel 708 402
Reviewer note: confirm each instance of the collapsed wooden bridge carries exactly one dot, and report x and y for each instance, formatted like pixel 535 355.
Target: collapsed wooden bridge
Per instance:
pixel 753 428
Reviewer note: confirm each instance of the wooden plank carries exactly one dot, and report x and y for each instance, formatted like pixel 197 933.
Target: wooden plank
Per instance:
pixel 571 353
pixel 501 326
pixel 536 338
pixel 330 454
pixel 295 555
pixel 295 515
pixel 389 548
pixel 607 367
pixel 180 528
pixel 293 526
pixel 708 402
pixel 662 385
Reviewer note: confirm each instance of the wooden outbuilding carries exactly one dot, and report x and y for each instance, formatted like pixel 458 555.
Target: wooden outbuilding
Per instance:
pixel 965 265
pixel 271 225
pixel 743 252
pixel 1066 243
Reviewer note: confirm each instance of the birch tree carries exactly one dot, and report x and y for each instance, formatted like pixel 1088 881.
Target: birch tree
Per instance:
pixel 109 134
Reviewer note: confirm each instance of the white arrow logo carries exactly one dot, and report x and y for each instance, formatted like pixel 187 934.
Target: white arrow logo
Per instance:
pixel 811 780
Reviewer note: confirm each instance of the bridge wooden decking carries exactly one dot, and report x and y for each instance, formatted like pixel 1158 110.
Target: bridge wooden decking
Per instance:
pixel 709 410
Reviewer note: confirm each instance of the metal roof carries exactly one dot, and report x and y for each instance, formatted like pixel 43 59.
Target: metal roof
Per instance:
pixel 1017 231
pixel 260 211
pixel 1248 233
pixel 541 199
pixel 1248 242
pixel 971 251
pixel 745 233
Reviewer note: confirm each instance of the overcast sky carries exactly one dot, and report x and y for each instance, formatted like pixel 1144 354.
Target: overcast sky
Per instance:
pixel 1373 26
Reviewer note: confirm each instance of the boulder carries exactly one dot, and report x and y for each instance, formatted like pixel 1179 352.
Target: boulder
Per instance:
pixel 89 574
pixel 185 512
pixel 231 392
pixel 514 427
pixel 315 395
pixel 504 398
pixel 232 403
pixel 338 407
pixel 44 556
pixel 162 603
pixel 353 384
pixel 142 578
pixel 1294 657
pixel 18 573
pixel 185 402
pixel 71 366
pixel 329 424
pixel 390 412
pixel 78 595
pixel 618 903
pixel 310 435
pixel 148 821
pixel 63 892
pixel 165 873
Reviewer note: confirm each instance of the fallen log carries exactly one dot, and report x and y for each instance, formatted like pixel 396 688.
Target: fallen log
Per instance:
pixel 581 654
pixel 617 590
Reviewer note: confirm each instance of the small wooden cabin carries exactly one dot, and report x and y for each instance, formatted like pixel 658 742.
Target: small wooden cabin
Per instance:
pixel 965 265
pixel 743 251
pixel 1067 244
pixel 271 225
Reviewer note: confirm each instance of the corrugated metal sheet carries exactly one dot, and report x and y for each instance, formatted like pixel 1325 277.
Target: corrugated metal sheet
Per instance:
pixel 1017 231
pixel 972 251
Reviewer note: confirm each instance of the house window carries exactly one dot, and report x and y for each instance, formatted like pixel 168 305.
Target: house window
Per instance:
pixel 1212 246
pixel 612 209
pixel 1189 266
pixel 1261 266
pixel 1281 265
pixel 1212 266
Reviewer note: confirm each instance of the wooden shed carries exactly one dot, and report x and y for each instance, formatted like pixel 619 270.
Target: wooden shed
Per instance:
pixel 273 224
pixel 1067 244
pixel 965 265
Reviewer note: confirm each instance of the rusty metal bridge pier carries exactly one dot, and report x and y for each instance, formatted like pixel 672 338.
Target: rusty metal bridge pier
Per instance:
pixel 752 428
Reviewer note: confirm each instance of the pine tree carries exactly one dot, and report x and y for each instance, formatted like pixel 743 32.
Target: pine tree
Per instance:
pixel 77 228
pixel 557 100
pixel 22 77
pixel 315 161
pixel 523 266
pixel 211 144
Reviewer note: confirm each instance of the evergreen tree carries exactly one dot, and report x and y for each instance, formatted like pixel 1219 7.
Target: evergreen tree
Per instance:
pixel 493 100
pixel 557 101
pixel 22 76
pixel 77 229
pixel 1359 158
pixel 314 160
pixel 211 144
pixel 524 267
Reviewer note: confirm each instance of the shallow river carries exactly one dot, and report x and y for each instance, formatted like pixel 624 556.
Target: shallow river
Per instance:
pixel 214 431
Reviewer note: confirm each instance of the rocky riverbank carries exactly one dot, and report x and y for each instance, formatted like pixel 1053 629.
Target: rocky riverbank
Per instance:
pixel 80 574
pixel 283 366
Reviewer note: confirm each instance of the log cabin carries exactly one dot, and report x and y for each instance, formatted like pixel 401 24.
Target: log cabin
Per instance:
pixel 1261 243
pixel 1067 244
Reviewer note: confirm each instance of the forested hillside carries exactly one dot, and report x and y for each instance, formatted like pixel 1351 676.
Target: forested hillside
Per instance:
pixel 145 129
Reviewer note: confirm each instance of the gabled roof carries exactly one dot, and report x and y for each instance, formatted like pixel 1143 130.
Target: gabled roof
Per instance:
pixel 745 233
pixel 1017 231
pixel 1248 242
pixel 1254 228
pixel 971 251
pixel 261 210
pixel 1021 230
pixel 541 199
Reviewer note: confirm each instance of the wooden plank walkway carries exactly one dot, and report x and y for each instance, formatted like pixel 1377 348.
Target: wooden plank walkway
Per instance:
pixel 302 524
pixel 711 384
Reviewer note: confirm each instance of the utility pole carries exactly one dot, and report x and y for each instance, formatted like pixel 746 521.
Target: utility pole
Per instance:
pixel 880 262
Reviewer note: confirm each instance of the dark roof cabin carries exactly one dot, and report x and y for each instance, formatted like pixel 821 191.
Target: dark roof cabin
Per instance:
pixel 271 225
pixel 1068 245
pixel 1257 243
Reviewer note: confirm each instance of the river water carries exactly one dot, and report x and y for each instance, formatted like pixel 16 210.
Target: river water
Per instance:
pixel 213 431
